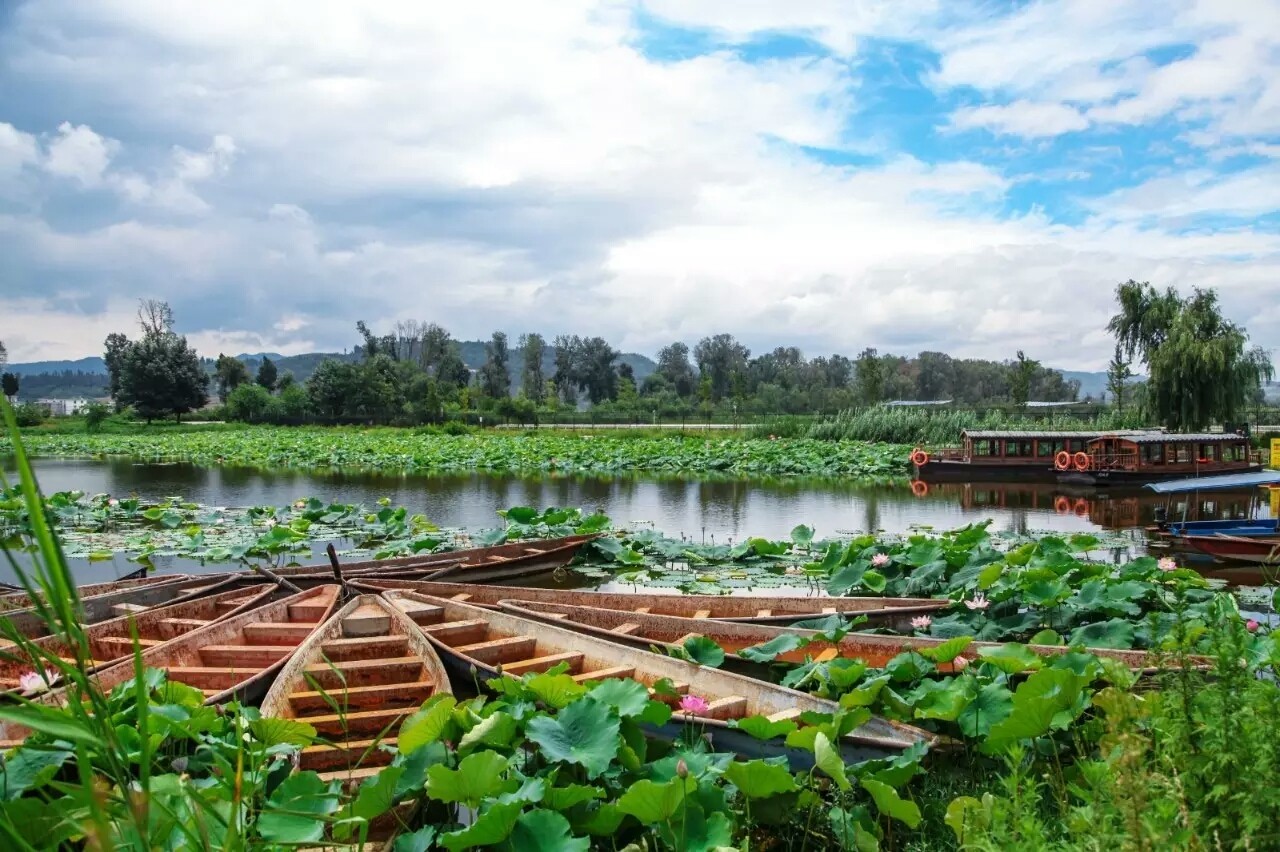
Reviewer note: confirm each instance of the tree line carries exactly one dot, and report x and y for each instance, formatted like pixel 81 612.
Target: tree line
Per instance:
pixel 1199 366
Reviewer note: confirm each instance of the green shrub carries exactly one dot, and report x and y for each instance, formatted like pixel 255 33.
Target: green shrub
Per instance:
pixel 95 413
pixel 250 403
pixel 29 414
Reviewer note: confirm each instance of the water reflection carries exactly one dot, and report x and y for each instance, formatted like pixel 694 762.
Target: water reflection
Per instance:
pixel 708 509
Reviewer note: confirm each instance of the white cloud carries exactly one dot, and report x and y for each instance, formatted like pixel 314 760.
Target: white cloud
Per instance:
pixel 1022 118
pixel 380 162
pixel 17 149
pixel 80 154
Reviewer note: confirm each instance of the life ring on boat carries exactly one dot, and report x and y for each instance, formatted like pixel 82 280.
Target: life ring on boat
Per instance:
pixel 919 457
pixel 920 488
pixel 1081 508
pixel 1062 460
pixel 1062 505
pixel 1082 461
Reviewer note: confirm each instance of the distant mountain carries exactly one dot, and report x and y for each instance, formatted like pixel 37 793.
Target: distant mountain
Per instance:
pixel 1091 384
pixel 84 365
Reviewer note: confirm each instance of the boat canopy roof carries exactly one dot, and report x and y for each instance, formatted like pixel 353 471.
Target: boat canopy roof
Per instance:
pixel 1174 437
pixel 1217 483
pixel 982 435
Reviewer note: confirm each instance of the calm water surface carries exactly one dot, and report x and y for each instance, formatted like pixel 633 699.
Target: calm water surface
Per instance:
pixel 701 509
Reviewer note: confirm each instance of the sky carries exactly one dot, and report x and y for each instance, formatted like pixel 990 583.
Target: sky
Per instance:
pixel 968 177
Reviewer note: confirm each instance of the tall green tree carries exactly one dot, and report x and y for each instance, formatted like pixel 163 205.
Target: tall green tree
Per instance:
pixel 117 346
pixel 675 368
pixel 1022 372
pixel 229 373
pixel 495 380
pixel 869 370
pixel 532 350
pixel 161 374
pixel 1200 367
pixel 267 374
pixel 9 385
pixel 332 387
pixel 722 359
pixel 1118 375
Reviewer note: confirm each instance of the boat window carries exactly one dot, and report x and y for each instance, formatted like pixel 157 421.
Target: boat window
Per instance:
pixel 1208 453
pixel 1153 453
pixel 1045 449
pixel 1017 449
pixel 1184 453
pixel 983 448
pixel 1233 452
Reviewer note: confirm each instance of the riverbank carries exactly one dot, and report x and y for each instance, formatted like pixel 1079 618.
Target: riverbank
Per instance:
pixel 420 451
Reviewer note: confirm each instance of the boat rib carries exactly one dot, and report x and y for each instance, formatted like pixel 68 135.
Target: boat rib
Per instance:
pixel 482 644
pixel 355 680
pixel 238 657
pixel 876 650
pixel 22 600
pixel 894 613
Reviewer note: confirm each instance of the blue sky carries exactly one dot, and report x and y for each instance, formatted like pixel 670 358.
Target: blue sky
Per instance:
pixel 967 177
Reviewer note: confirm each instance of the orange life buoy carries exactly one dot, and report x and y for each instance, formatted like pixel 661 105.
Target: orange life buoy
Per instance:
pixel 1082 461
pixel 1062 460
pixel 920 488
pixel 1062 505
pixel 1081 508
pixel 919 457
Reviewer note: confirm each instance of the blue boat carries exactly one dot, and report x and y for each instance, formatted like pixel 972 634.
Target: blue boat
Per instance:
pixel 1251 526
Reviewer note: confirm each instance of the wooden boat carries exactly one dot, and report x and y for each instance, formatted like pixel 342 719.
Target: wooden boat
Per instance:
pixel 20 599
pixel 240 656
pixel 112 640
pixel 374 664
pixel 481 564
pixel 1236 548
pixel 1085 458
pixel 123 602
pixel 894 613
pixel 645 631
pixel 477 645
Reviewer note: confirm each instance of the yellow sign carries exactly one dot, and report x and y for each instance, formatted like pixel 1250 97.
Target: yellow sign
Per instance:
pixel 1275 454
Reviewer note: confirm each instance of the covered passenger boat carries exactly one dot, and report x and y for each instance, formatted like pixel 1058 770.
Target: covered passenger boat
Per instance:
pixel 1003 456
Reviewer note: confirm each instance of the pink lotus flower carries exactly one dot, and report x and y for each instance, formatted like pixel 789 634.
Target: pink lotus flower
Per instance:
pixel 113 502
pixel 32 682
pixel 880 560
pixel 921 622
pixel 979 602
pixel 1166 564
pixel 694 705
pixel 301 504
pixel 1252 626
pixel 960 663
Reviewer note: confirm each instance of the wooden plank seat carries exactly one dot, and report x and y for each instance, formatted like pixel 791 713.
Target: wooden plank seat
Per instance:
pixel 395 694
pixel 341 756
pixel 359 722
pixel 277 633
pixel 541 664
pixel 333 675
pixel 341 650
pixel 244 656
pixel 501 649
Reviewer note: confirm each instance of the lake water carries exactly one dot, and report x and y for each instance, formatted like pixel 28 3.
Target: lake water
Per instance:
pixel 720 510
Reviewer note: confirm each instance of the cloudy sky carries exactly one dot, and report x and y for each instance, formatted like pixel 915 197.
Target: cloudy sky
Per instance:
pixel 833 174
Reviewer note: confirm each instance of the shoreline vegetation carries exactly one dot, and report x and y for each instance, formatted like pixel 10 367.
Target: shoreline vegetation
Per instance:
pixel 1060 752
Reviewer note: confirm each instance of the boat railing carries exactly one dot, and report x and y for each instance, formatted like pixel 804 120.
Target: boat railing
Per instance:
pixel 950 454
pixel 1118 460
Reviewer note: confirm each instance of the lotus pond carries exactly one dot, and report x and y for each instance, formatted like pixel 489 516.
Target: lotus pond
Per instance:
pixel 1069 751
pixel 408 451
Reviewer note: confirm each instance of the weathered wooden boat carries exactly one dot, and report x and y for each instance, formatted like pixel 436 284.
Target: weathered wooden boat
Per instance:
pixel 1085 458
pixel 355 680
pixel 123 602
pixel 894 613
pixel 240 656
pixel 20 599
pixel 1236 548
pixel 477 645
pixel 642 630
pixel 509 561
pixel 113 639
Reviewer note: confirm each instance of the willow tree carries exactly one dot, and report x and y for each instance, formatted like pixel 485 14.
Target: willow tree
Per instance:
pixel 1199 366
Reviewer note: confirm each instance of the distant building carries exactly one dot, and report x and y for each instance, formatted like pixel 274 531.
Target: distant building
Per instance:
pixel 63 407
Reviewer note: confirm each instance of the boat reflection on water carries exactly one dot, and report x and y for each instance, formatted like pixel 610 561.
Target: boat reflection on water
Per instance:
pixel 1108 508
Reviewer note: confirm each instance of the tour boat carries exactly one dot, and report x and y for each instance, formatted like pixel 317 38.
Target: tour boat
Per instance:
pixel 1085 458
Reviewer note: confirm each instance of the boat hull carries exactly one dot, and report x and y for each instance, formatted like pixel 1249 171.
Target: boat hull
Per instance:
pixel 1263 551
